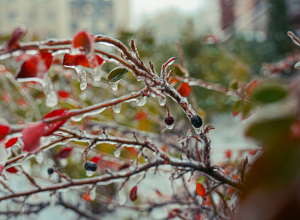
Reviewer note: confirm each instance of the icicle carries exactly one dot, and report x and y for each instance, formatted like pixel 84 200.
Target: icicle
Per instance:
pixel 117 151
pixel 51 96
pixel 8 151
pixel 114 85
pixel 52 200
pixel 141 101
pixel 117 107
pixel 82 76
pixel 39 157
pixel 89 173
pixel 77 118
pixel 197 130
pixel 161 100
pixel 93 193
pixel 97 74
pixel 122 197
pixel 153 94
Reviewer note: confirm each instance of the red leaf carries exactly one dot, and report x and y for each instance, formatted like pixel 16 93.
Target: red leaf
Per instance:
pixel 133 193
pixel 12 170
pixel 63 94
pixel 158 193
pixel 228 153
pixel 31 136
pixel 34 64
pixel 4 129
pixel 173 81
pixel 250 86
pixel 252 151
pixel 13 41
pixel 6 97
pixel 64 153
pixel 85 40
pixel 51 128
pixel 173 212
pixel 11 142
pixel 96 159
pixel 124 166
pixel 200 189
pixel 80 59
pixel 86 197
pixel 140 116
pixel 184 89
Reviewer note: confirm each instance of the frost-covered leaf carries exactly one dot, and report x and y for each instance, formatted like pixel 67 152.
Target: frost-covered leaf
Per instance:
pixel 11 142
pixel 13 42
pixel 116 74
pixel 31 136
pixel 64 153
pixel 133 193
pixel 184 89
pixel 200 189
pixel 63 94
pixel 79 59
pixel 51 128
pixel 4 129
pixel 12 170
pixel 85 40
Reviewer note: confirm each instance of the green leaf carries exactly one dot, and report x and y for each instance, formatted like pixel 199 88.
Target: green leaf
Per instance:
pixel 269 93
pixel 200 179
pixel 116 74
pixel 177 70
pixel 247 109
pixel 227 198
pixel 234 84
pixel 237 107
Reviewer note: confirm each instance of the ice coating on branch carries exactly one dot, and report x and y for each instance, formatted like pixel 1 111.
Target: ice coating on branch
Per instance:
pixel 117 108
pixel 3 155
pixel 93 193
pixel 141 101
pixel 8 151
pixel 170 126
pixel 52 200
pixel 39 157
pixel 114 85
pixel 117 151
pixel 63 162
pixel 51 96
pixel 77 118
pixel 82 76
pixel 161 100
pixel 5 175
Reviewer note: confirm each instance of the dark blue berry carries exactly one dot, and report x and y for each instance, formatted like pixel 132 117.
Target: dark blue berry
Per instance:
pixel 169 120
pixel 197 121
pixel 50 170
pixel 90 166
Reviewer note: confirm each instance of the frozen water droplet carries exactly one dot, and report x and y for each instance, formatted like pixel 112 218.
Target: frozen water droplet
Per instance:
pixel 39 157
pixel 197 130
pixel 153 94
pixel 114 85
pixel 89 173
pixel 51 99
pixel 122 198
pixel 161 100
pixel 117 107
pixel 63 162
pixel 93 193
pixel 117 151
pixel 8 151
pixel 141 101
pixel 97 73
pixel 170 126
pixel 82 76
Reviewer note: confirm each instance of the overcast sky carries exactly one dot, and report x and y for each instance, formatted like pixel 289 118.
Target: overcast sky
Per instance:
pixel 142 8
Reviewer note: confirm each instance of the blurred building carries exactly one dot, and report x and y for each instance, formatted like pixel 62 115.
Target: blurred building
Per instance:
pixel 62 18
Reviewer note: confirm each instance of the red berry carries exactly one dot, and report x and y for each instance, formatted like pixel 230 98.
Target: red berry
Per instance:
pixel 169 120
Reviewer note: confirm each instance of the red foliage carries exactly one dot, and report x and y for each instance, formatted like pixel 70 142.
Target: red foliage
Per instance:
pixel 133 193
pixel 34 64
pixel 200 189
pixel 228 153
pixel 140 116
pixel 96 159
pixel 4 129
pixel 86 197
pixel 51 128
pixel 83 39
pixel 31 136
pixel 250 86
pixel 11 142
pixel 6 97
pixel 124 166
pixel 252 151
pixel 173 81
pixel 63 94
pixel 12 170
pixel 173 212
pixel 158 193
pixel 64 153
pixel 13 42
pixel 184 89
pixel 80 59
